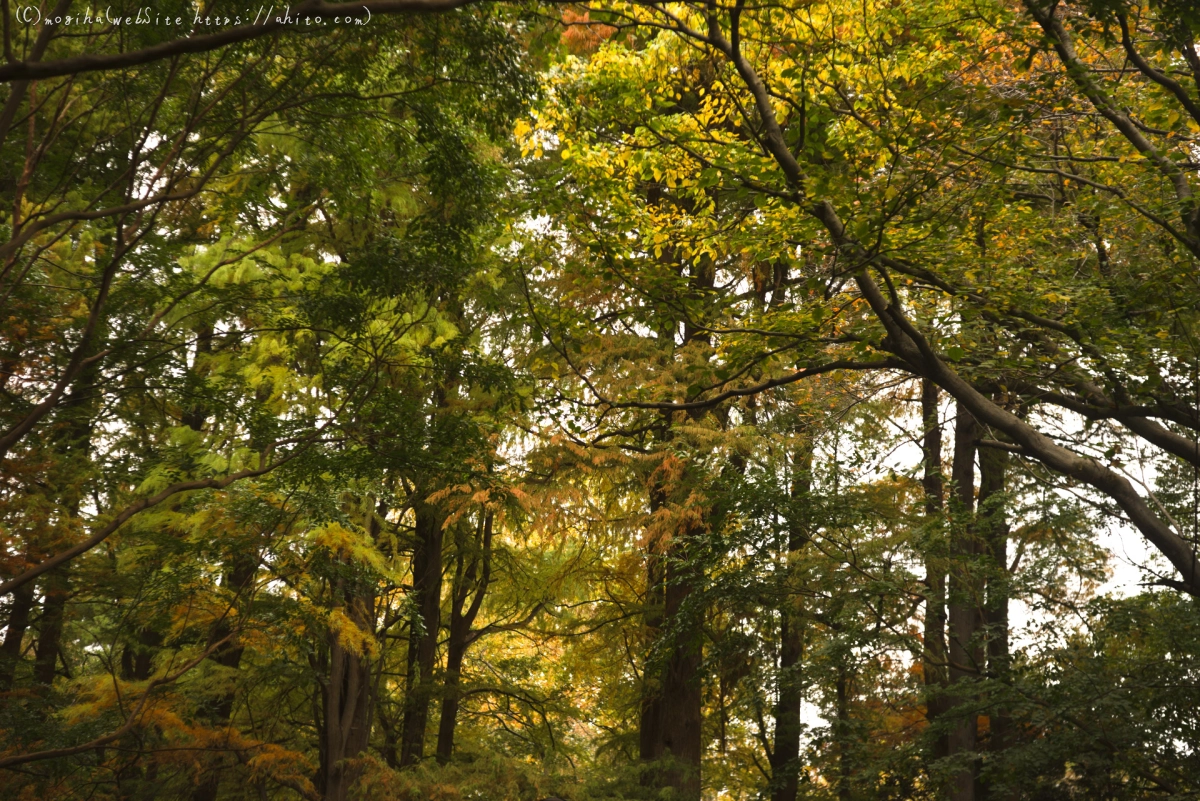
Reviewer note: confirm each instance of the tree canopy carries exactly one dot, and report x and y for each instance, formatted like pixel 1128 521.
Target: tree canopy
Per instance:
pixel 513 401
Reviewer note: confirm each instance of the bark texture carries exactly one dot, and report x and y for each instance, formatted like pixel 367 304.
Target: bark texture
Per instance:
pixel 965 599
pixel 993 475
pixel 670 737
pixel 785 756
pixel 472 574
pixel 935 657
pixel 423 633
pixel 49 642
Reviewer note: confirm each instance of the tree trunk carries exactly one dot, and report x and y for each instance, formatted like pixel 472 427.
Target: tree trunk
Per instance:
pixel 682 702
pixel 672 701
pixel 347 709
pixel 461 621
pixel 785 756
pixel 391 745
pixel 423 633
pixel 964 609
pixel 455 650
pixel 934 665
pixel 841 732
pixel 196 413
pixel 238 574
pixel 650 722
pixel 14 636
pixel 74 443
pixel 49 643
pixel 672 721
pixel 993 470
pixel 138 662
pixel 228 656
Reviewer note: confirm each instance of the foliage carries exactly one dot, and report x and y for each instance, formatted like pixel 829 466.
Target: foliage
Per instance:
pixel 616 401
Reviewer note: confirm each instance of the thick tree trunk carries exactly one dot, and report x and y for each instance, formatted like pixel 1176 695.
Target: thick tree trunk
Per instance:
pixel 75 443
pixel 934 666
pixel 346 707
pixel 423 633
pixel 964 608
pixel 672 722
pixel 14 635
pixel 670 728
pixel 347 712
pixel 49 643
pixel 785 756
pixel 650 721
pixel 472 574
pixel 682 701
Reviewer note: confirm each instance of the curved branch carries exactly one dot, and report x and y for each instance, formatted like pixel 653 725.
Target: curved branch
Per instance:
pixel 129 512
pixel 905 341
pixel 790 378
pixel 1158 76
pixel 34 70
pixel 130 722
pixel 1052 26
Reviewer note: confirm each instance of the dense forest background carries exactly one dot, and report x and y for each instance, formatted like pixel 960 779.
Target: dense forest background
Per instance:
pixel 436 399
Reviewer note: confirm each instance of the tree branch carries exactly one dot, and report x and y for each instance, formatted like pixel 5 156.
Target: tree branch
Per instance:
pixel 33 70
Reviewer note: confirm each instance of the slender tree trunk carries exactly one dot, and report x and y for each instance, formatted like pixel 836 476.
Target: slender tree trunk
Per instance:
pixel 993 470
pixel 239 572
pixel 137 662
pixel 49 643
pixel 785 756
pixel 75 443
pixel 964 609
pixel 228 656
pixel 650 722
pixel 455 651
pixel 842 733
pixel 461 620
pixel 423 633
pixel 196 413
pixel 391 745
pixel 935 669
pixel 14 635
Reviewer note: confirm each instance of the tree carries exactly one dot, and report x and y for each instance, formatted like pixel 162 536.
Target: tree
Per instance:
pixel 253 320
pixel 619 401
